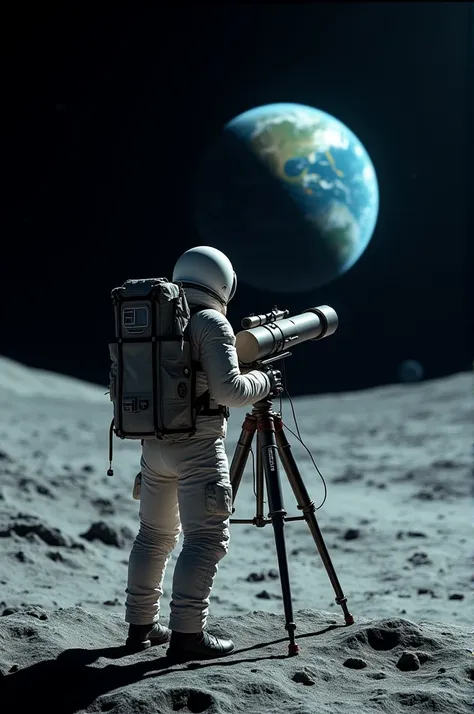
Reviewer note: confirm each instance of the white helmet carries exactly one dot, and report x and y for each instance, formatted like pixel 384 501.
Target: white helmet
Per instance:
pixel 209 270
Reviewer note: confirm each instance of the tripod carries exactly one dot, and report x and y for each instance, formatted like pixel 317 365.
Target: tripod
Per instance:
pixel 271 443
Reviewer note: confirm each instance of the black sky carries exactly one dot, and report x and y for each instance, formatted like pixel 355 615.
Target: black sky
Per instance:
pixel 106 116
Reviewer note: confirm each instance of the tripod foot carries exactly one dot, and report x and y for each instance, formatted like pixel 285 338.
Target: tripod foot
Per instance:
pixel 349 619
pixel 293 649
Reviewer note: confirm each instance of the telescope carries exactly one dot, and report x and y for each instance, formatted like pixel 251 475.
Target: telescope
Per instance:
pixel 266 340
pixel 270 336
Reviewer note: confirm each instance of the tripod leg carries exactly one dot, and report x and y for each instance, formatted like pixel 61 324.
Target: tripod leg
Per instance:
pixel 259 487
pixel 241 453
pixel 307 506
pixel 269 454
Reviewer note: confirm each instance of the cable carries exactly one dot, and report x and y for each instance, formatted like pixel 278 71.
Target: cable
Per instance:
pixel 298 435
pixel 254 473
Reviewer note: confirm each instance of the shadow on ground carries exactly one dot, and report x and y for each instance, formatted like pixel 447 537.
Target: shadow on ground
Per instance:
pixel 69 683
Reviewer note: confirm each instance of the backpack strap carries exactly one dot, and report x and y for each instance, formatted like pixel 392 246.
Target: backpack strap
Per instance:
pixel 202 406
pixel 202 403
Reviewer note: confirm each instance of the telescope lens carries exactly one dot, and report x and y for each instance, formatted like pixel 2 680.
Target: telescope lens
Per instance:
pixel 329 319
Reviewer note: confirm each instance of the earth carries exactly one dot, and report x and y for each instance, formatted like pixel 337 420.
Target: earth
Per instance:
pixel 290 194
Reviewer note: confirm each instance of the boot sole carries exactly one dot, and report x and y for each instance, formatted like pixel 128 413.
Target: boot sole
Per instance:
pixel 181 657
pixel 132 646
pixel 137 646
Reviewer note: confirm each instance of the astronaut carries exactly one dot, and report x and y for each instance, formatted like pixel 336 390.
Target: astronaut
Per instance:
pixel 185 486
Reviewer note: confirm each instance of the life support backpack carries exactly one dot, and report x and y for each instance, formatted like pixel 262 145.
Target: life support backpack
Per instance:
pixel 152 375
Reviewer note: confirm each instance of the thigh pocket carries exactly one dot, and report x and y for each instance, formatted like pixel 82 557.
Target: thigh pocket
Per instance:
pixel 219 498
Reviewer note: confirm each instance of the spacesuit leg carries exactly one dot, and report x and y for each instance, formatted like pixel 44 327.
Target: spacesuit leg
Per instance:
pixel 205 505
pixel 156 539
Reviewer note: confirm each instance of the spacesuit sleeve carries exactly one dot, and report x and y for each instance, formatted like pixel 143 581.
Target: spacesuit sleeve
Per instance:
pixel 220 363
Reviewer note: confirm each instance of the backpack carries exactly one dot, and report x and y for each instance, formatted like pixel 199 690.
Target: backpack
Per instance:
pixel 152 375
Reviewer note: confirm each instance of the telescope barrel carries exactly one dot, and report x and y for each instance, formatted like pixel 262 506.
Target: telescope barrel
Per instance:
pixel 313 324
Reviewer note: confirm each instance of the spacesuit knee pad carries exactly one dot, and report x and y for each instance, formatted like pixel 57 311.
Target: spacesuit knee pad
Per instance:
pixel 149 536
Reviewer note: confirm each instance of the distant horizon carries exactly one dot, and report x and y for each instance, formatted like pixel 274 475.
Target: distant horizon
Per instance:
pixel 99 386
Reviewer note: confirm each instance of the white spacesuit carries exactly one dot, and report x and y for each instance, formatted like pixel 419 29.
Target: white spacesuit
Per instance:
pixel 186 485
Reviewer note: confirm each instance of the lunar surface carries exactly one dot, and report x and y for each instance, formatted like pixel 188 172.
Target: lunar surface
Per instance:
pixel 397 522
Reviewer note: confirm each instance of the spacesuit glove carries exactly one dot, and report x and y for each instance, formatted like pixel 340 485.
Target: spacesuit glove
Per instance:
pixel 276 388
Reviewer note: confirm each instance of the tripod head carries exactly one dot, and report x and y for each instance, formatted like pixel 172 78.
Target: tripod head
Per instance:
pixel 266 338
